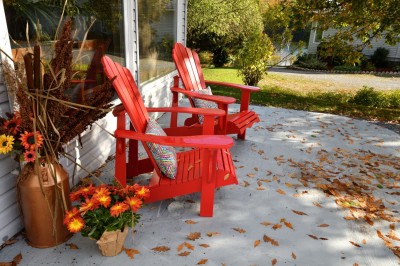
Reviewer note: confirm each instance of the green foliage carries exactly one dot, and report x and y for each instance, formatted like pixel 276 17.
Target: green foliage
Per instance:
pixel 253 58
pixel 365 20
pixel 369 97
pixel 396 68
pixel 220 57
pixel 338 52
pixel 347 68
pixel 310 61
pixel 379 58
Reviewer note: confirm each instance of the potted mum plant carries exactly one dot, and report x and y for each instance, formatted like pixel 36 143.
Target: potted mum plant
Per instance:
pixel 36 133
pixel 105 212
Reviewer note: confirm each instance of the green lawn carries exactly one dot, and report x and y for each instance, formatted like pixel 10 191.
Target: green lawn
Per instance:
pixel 280 95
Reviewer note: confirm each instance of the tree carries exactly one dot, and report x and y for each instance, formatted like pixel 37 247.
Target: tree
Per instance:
pixel 364 19
pixel 220 26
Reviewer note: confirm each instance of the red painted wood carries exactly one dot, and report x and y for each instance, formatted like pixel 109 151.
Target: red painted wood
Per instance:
pixel 190 72
pixel 197 167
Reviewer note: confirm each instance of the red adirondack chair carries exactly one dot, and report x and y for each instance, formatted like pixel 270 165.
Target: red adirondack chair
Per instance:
pixel 190 73
pixel 205 167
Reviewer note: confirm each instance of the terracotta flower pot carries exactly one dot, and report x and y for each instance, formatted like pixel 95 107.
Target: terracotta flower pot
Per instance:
pixel 43 203
pixel 111 243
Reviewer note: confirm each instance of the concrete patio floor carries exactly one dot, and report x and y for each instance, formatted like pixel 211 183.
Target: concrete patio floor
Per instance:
pixel 283 211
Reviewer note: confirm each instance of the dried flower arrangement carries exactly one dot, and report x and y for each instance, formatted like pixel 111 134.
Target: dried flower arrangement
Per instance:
pixel 47 119
pixel 104 208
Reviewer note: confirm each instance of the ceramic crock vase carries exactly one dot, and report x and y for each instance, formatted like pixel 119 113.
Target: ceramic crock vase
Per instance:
pixel 43 200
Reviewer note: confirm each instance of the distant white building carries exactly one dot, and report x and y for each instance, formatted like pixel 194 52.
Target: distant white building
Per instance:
pixel 316 36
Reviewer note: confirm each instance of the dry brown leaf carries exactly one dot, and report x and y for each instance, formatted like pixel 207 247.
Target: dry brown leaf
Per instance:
pixel 355 264
pixel 313 237
pixel 193 236
pixel 260 188
pixel 245 184
pixel 10 242
pixel 323 238
pixel 364 242
pixel 72 246
pixel 393 236
pixel 274 261
pixel 203 261
pixel 184 254
pixel 294 256
pixel 161 248
pixel 323 225
pixel 240 230
pixel 226 177
pixel 266 223
pixel 276 226
pixel 393 226
pixel 190 222
pixel 355 244
pixel 204 245
pixel 299 212
pixel 250 175
pixel 210 234
pixel 317 204
pixel 180 247
pixel 280 191
pixel 131 252
pixel 257 243
pixel 189 246
pixel 289 225
pixel 270 240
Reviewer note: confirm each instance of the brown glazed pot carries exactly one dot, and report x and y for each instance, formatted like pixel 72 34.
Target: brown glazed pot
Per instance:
pixel 43 212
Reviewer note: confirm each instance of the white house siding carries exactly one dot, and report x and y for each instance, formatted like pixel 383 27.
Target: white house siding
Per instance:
pixel 98 144
pixel 10 222
pixel 394 50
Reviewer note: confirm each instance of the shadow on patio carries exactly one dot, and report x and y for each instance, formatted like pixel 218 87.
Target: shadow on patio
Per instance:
pixel 292 168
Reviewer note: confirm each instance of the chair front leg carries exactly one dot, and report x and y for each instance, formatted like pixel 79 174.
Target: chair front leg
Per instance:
pixel 208 183
pixel 120 161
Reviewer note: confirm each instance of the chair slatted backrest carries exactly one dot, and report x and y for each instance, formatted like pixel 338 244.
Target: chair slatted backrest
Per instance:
pixel 188 65
pixel 128 93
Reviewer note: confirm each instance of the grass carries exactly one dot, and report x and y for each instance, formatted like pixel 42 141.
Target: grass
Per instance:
pixel 302 94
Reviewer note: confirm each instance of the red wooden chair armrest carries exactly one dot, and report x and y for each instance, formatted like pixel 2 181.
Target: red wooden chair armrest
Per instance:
pixel 234 85
pixel 119 110
pixel 214 98
pixel 201 141
pixel 189 110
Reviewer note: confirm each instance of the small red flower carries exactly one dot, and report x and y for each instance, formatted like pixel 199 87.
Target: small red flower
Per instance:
pixel 89 205
pixel 118 208
pixel 29 156
pixel 142 192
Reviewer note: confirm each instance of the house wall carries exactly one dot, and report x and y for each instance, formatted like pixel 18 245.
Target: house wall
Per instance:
pixel 394 50
pixel 98 144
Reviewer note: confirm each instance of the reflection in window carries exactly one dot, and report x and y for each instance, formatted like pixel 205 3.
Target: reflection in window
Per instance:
pixel 157 31
pixel 101 21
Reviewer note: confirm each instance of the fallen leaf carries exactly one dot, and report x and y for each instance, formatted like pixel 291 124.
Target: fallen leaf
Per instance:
pixel 393 226
pixel 203 261
pixel 226 177
pixel 210 234
pixel 270 240
pixel 317 204
pixel 10 242
pixel 72 246
pixel 257 243
pixel 184 254
pixel 323 225
pixel 189 246
pixel 355 244
pixel 193 236
pixel 289 225
pixel 17 259
pixel 313 236
pixel 280 191
pixel 245 184
pixel 250 175
pixel 355 264
pixel 260 188
pixel 323 238
pixel 364 241
pixel 161 248
pixel 131 252
pixel 294 256
pixel 274 261
pixel 190 222
pixel 299 212
pixel 240 230
pixel 276 226
pixel 180 247
pixel 266 223
pixel 204 245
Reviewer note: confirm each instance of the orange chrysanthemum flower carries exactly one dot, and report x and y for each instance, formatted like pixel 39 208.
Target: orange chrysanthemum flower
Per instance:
pixel 134 202
pixel 118 208
pixel 70 214
pixel 89 205
pixel 29 156
pixel 75 224
pixel 142 192
pixel 29 142
pixel 104 200
pixel 102 191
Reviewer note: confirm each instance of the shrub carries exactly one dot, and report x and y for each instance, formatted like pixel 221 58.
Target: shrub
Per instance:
pixel 312 62
pixel 338 52
pixel 396 68
pixel 205 58
pixel 220 57
pixel 252 59
pixel 379 58
pixel 367 96
pixel 347 68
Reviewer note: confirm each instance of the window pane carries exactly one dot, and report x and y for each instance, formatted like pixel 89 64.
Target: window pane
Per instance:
pixel 101 21
pixel 157 34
